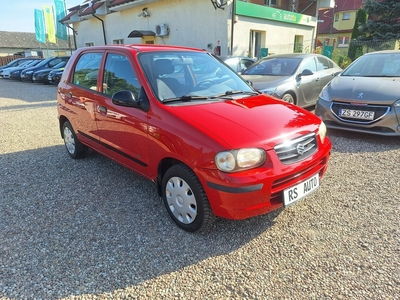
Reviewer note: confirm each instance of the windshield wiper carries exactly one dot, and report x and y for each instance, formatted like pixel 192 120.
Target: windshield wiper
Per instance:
pixel 185 98
pixel 234 92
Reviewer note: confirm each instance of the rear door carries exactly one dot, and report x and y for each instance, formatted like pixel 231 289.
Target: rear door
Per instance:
pixel 80 95
pixel 122 130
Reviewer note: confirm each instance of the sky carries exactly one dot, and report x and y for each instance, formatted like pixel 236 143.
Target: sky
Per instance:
pixel 18 15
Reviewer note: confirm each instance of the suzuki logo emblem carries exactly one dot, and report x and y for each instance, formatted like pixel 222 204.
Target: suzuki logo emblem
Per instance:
pixel 360 95
pixel 300 149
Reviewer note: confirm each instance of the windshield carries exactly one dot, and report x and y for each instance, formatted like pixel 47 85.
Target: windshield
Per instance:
pixel 187 76
pixel 375 65
pixel 274 66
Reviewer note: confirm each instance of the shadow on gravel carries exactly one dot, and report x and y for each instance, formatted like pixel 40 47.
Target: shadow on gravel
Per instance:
pixel 90 226
pixel 364 142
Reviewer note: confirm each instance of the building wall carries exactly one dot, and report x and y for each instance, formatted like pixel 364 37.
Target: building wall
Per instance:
pixel 198 24
pixel 191 23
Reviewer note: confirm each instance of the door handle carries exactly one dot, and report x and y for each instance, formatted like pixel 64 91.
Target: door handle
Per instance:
pixel 102 109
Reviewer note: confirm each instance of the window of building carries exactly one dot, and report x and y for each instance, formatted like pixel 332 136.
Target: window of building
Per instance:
pixel 271 2
pixel 336 17
pixel 119 41
pixel 346 16
pixel 343 41
pixel 91 44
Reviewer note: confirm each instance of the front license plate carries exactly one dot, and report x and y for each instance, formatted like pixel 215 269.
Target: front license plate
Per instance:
pixel 357 114
pixel 301 190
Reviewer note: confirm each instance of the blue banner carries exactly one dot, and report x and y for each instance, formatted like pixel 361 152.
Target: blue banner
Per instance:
pixel 61 29
pixel 39 26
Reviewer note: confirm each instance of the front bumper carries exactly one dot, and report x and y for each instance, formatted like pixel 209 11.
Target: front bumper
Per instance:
pixel 388 123
pixel 255 192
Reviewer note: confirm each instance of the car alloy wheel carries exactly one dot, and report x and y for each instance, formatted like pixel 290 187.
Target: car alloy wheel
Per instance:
pixel 74 147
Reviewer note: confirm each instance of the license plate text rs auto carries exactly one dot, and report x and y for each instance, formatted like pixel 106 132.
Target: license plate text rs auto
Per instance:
pixel 301 190
pixel 357 114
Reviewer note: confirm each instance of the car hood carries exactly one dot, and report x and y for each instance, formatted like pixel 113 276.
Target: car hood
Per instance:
pixel 384 90
pixel 258 121
pixel 263 81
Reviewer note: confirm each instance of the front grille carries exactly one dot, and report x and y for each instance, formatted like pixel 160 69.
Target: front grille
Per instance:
pixel 297 149
pixel 380 111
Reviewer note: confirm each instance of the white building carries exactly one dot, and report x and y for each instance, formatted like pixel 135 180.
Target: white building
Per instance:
pixel 225 27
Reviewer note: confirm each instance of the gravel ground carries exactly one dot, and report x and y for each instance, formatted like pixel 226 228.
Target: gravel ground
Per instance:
pixel 91 229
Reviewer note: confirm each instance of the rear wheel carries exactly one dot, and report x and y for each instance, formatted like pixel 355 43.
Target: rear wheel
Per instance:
pixel 288 98
pixel 74 147
pixel 186 200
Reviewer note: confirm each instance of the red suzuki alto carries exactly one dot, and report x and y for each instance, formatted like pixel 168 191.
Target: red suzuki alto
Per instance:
pixel 180 117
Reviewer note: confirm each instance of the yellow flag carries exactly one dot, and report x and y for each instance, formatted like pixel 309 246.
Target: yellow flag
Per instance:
pixel 49 23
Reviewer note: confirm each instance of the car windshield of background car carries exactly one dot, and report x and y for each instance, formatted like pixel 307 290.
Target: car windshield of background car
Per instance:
pixel 376 65
pixel 274 67
pixel 175 74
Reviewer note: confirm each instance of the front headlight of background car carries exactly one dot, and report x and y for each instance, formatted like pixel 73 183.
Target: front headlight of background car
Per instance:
pixel 268 91
pixel 239 160
pixel 28 72
pixel 324 95
pixel 397 103
pixel 322 131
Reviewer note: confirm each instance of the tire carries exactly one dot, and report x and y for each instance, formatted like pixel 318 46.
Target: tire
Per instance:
pixel 288 98
pixel 185 199
pixel 74 147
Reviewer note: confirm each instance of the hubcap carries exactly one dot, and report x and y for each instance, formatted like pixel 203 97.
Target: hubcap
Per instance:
pixel 181 200
pixel 69 140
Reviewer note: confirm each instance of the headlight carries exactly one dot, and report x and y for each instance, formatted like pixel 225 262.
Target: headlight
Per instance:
pixel 28 72
pixel 268 91
pixel 324 95
pixel 397 103
pixel 322 131
pixel 238 160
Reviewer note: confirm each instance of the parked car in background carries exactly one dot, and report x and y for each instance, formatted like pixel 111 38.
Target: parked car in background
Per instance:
pixel 27 74
pixel 16 73
pixel 296 78
pixel 213 146
pixel 365 97
pixel 5 72
pixel 237 63
pixel 41 76
pixel 55 76
pixel 16 62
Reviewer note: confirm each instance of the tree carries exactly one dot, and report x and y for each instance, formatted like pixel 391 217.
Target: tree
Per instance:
pixel 355 49
pixel 384 20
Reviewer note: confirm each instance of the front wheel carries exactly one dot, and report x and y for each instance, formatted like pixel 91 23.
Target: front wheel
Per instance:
pixel 74 147
pixel 185 199
pixel 288 98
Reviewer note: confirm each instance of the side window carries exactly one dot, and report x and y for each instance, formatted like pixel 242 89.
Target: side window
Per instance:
pixel 309 64
pixel 54 62
pixel 119 76
pixel 86 70
pixel 323 63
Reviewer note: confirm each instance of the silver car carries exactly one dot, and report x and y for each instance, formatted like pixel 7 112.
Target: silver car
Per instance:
pixel 365 97
pixel 296 78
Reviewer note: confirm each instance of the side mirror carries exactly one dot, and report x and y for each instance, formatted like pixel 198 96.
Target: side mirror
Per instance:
pixel 127 98
pixel 306 72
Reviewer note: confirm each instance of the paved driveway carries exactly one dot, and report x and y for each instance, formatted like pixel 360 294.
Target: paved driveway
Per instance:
pixel 91 229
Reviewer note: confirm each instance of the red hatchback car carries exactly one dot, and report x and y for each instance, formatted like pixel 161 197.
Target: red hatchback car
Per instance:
pixel 180 117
